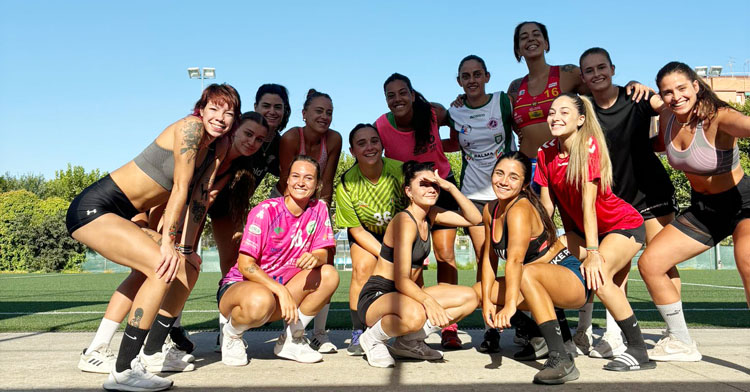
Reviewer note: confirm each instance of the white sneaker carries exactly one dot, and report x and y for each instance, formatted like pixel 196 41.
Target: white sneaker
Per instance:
pixel 136 379
pixel 416 349
pixel 669 348
pixel 233 350
pixel 610 346
pixel 165 361
pixel 297 348
pixel 321 343
pixel 100 360
pixel 583 341
pixel 376 351
pixel 169 345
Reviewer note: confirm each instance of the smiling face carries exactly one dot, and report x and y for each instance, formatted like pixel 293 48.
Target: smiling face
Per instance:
pixel 248 138
pixel 531 42
pixel 366 146
pixel 563 118
pixel 507 179
pixel 422 189
pixel 217 119
pixel 399 98
pixel 472 78
pixel 302 181
pixel 679 92
pixel 271 106
pixel 597 72
pixel 318 114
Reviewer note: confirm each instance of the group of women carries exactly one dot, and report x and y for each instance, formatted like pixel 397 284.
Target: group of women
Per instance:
pixel 589 158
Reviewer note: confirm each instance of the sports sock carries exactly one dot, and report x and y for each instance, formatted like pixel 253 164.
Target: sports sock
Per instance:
pixel 675 319
pixel 562 320
pixel 429 329
pixel 130 346
pixel 357 324
pixel 525 323
pixel 104 334
pixel 632 331
pixel 234 330
pixel 321 318
pixel 420 334
pixel 378 333
pixel 612 327
pixel 584 317
pixel 157 336
pixel 553 336
pixel 299 325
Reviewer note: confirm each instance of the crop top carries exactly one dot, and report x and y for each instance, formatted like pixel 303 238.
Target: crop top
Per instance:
pixel 419 251
pixel 538 246
pixel 323 158
pixel 700 157
pixel 158 163
pixel 532 109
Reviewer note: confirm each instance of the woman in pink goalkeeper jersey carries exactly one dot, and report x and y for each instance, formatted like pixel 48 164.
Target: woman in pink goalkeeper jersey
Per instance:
pixel 281 271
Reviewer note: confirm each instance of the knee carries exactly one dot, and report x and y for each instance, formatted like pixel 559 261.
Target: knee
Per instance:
pixel 647 267
pixel 529 277
pixel 470 297
pixel 477 288
pixel 444 252
pixel 329 277
pixel 260 305
pixel 361 271
pixel 414 319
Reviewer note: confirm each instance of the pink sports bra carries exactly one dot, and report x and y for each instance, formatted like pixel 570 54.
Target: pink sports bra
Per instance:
pixel 323 159
pixel 700 157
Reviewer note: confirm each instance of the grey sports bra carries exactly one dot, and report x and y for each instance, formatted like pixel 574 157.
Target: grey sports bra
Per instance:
pixel 419 251
pixel 158 164
pixel 700 157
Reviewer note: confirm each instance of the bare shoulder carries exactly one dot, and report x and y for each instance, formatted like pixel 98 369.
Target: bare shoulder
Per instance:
pixel 570 69
pixel 514 86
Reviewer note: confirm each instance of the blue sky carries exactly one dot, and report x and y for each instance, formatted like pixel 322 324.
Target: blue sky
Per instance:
pixel 93 82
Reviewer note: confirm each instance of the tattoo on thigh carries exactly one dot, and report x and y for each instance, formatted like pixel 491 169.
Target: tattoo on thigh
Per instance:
pixel 137 316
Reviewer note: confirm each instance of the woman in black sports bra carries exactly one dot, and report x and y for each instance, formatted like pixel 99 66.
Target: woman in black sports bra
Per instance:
pixel 540 272
pixel 391 303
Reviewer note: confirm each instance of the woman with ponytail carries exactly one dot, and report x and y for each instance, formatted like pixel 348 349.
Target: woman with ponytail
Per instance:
pixel 575 174
pixel 700 134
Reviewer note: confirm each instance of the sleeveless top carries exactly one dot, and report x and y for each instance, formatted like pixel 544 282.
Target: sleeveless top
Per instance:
pixel 538 246
pixel 158 164
pixel 420 248
pixel 323 158
pixel 700 157
pixel 400 145
pixel 532 109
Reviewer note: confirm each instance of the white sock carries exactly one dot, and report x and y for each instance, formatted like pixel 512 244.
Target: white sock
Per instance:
pixel 320 319
pixel 300 325
pixel 378 333
pixel 420 334
pixel 584 317
pixel 104 334
pixel 429 329
pixel 222 319
pixel 178 321
pixel 612 327
pixel 234 330
pixel 675 319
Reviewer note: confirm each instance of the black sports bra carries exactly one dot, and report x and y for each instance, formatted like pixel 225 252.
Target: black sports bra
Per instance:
pixel 538 246
pixel 420 248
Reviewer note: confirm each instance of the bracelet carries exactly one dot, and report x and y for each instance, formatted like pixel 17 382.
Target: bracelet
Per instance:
pixel 184 249
pixel 592 248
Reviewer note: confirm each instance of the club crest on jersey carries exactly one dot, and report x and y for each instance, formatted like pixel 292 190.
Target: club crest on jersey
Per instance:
pixel 493 123
pixel 521 92
pixel 465 129
pixel 310 227
pixel 253 229
pixel 499 138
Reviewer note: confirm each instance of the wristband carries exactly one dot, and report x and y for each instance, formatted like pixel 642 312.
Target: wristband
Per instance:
pixel 184 249
pixel 592 248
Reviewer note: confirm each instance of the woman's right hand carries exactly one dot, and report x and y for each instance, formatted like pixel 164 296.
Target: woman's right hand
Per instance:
pixel 170 259
pixel 488 311
pixel 459 102
pixel 436 314
pixel 288 306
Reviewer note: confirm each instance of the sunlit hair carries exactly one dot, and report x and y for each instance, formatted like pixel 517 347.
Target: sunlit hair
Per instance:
pixel 471 57
pixel 517 36
pixel 707 101
pixel 312 94
pixel 306 158
pixel 283 93
pixel 549 226
pixel 422 119
pixel 577 171
pixel 594 50
pixel 220 94
pixel 411 168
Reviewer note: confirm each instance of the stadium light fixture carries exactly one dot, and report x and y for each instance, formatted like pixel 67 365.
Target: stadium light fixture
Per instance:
pixel 201 73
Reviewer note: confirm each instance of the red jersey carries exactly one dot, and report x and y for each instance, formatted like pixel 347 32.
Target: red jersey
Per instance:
pixel 611 212
pixel 532 109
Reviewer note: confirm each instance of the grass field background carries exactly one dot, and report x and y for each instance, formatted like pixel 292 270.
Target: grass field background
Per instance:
pixel 76 302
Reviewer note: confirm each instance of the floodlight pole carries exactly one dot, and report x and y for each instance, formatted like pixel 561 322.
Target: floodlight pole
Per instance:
pixel 201 73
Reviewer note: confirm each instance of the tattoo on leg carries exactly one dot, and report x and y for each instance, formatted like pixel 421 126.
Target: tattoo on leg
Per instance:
pixel 137 316
pixel 197 210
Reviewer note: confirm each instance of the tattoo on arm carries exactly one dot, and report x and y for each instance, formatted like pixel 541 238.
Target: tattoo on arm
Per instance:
pixel 137 316
pixel 567 68
pixel 197 209
pixel 251 269
pixel 191 138
pixel 514 86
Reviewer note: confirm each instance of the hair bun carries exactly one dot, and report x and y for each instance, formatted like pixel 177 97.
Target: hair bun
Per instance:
pixel 311 92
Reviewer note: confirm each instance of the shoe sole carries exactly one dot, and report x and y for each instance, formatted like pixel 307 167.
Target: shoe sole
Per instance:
pixel 488 350
pixel 356 353
pixel 86 367
pixel 235 364
pixel 330 350
pixel 153 369
pixel 574 375
pixel 122 387
pixel 408 354
pixel 676 358
pixel 621 367
pixel 367 354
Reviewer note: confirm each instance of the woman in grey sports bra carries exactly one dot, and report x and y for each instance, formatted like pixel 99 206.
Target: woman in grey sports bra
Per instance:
pixel 391 302
pixel 700 133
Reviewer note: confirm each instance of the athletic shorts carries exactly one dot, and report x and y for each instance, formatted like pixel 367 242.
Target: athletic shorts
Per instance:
pixel 650 209
pixel 353 241
pixel 638 233
pixel 223 289
pixel 711 218
pixel 565 259
pixel 479 204
pixel 101 197
pixel 446 201
pixel 371 291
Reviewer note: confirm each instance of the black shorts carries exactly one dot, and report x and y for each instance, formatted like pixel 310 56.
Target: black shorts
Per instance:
pixel 101 197
pixel 446 201
pixel 353 241
pixel 711 218
pixel 650 209
pixel 479 204
pixel 371 291
pixel 223 289
pixel 565 259
pixel 638 233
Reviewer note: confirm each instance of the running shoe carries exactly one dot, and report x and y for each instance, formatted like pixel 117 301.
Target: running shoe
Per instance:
pixel 321 343
pixel 181 339
pixel 167 360
pixel 450 340
pixel 376 352
pixel 491 342
pixel 355 349
pixel 536 349
pixel 669 348
pixel 136 379
pixel 558 369
pixel 416 349
pixel 233 350
pixel 169 344
pixel 99 360
pixel 626 362
pixel 521 337
pixel 570 348
pixel 583 341
pixel 610 346
pixel 297 348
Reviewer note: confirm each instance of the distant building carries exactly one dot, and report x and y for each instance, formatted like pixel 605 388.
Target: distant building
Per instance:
pixel 735 89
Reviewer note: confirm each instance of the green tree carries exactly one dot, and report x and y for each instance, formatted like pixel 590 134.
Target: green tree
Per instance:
pixel 16 214
pixel 68 183
pixel 33 183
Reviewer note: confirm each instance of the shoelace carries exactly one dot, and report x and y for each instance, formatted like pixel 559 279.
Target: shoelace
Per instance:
pixel 235 342
pixel 553 361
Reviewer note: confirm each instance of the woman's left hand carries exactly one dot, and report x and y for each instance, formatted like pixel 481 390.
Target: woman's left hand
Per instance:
pixel 591 269
pixel 307 261
pixel 502 318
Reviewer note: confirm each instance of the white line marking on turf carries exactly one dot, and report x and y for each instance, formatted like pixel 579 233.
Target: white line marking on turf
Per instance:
pixel 702 285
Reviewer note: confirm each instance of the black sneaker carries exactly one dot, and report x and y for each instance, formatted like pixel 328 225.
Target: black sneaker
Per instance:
pixel 570 347
pixel 558 369
pixel 521 337
pixel 181 339
pixel 535 349
pixel 491 342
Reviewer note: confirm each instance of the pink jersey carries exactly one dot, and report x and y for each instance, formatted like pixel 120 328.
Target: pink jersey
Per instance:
pixel 611 212
pixel 276 239
pixel 400 145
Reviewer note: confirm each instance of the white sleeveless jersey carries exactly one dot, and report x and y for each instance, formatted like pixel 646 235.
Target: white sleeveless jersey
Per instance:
pixel 482 137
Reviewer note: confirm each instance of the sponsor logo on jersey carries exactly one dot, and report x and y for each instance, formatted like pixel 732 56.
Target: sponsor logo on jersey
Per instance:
pixel 327 223
pixel 278 230
pixel 89 212
pixel 536 114
pixel 521 92
pixel 553 84
pixel 473 116
pixel 253 229
pixel 310 227
pixel 493 123
pixel 260 214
